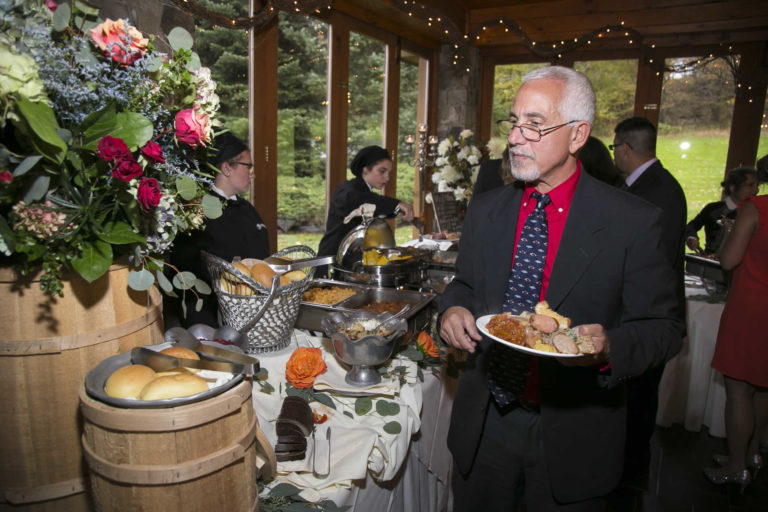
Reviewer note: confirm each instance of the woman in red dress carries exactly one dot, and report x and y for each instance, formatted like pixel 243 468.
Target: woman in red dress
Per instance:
pixel 741 353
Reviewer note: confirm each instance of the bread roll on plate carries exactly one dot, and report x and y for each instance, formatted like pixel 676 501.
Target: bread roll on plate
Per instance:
pixel 128 381
pixel 180 353
pixel 173 386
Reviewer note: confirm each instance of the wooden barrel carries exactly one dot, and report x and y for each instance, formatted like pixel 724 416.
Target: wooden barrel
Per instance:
pixel 201 457
pixel 46 348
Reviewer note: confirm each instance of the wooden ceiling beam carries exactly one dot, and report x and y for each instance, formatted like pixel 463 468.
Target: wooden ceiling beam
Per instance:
pixel 391 19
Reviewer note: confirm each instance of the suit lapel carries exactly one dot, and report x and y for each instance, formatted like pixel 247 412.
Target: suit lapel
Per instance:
pixel 500 236
pixel 579 244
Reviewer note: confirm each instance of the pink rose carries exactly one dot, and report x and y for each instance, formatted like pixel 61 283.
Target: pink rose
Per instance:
pixel 193 128
pixel 126 169
pixel 6 177
pixel 50 4
pixel 149 193
pixel 153 151
pixel 111 148
pixel 119 41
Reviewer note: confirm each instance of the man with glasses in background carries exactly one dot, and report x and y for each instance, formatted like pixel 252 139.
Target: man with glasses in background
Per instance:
pixel 634 151
pixel 548 432
pixel 239 231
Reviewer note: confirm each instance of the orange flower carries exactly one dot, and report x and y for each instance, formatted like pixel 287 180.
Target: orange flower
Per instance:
pixel 119 41
pixel 427 345
pixel 304 365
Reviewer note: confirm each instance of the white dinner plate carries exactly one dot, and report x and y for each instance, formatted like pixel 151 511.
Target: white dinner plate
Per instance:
pixel 482 322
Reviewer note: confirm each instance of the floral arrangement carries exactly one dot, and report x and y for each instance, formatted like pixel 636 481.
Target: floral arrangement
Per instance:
pixel 303 366
pixel 104 147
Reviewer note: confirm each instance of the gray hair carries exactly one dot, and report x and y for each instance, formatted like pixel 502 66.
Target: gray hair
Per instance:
pixel 578 102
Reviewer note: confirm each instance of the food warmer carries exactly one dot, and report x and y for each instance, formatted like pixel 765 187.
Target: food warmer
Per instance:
pixel 418 316
pixel 368 255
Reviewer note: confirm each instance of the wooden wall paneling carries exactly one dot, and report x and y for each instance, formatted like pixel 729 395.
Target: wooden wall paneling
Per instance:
pixel 748 107
pixel 338 91
pixel 263 123
pixel 648 92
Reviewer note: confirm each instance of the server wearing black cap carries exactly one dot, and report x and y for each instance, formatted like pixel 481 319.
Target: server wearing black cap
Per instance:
pixel 371 167
pixel 239 231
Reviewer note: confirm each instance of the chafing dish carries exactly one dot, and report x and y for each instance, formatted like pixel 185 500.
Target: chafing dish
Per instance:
pixel 706 268
pixel 418 317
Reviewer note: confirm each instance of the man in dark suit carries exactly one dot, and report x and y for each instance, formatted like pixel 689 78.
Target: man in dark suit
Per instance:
pixel 634 150
pixel 559 444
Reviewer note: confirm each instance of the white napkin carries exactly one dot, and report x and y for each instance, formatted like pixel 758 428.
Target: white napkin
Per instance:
pixel 364 210
pixel 333 378
pixel 427 243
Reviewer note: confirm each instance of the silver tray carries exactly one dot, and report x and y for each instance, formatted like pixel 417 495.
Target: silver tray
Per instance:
pixel 97 378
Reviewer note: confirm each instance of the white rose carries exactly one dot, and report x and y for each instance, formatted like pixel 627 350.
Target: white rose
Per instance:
pixel 443 147
pixel 473 160
pixel 428 198
pixel 459 193
pixel 465 134
pixel 441 161
pixel 462 154
pixel 450 174
pixel 444 187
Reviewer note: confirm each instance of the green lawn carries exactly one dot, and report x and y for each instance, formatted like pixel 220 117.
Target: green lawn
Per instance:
pixel 699 169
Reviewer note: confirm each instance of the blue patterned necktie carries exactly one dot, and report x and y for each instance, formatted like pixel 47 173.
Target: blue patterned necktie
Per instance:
pixel 508 368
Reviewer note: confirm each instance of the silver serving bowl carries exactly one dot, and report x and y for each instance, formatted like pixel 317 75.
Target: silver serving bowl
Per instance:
pixel 365 353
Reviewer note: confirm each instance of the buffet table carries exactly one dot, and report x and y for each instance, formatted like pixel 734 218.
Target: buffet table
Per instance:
pixel 691 393
pixel 370 469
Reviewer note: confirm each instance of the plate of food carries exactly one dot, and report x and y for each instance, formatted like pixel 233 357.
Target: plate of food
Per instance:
pixel 542 332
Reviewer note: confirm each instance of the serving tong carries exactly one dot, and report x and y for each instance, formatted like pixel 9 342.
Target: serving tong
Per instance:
pixel 163 362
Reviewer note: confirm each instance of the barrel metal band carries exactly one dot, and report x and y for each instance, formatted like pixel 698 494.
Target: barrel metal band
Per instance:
pixel 56 344
pixel 22 495
pixel 146 474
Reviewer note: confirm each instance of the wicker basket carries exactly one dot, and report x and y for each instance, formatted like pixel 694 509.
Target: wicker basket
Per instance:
pixel 278 315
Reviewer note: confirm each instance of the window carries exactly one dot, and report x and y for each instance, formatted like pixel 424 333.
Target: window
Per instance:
pixel 614 82
pixel 506 80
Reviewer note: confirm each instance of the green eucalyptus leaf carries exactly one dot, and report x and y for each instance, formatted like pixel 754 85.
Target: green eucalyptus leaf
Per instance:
pixel 199 304
pixel 61 17
pixel 363 405
pixel 164 283
pixel 211 206
pixel 180 39
pixel 26 165
pixel 88 25
pixel 7 239
pixel 324 399
pixel 42 122
pixel 194 62
pixel 153 62
pixel 284 490
pixel 86 9
pixel 393 427
pixel 94 261
pixel 266 387
pixel 37 188
pixel 187 187
pixel 141 280
pixel 386 408
pixel 184 280
pixel 202 287
pixel 347 413
pixel 65 135
pixel 121 233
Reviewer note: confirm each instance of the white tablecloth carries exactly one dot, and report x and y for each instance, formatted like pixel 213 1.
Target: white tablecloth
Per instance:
pixel 384 472
pixel 691 393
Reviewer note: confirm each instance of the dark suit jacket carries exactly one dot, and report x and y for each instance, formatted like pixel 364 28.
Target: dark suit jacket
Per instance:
pixel 489 176
pixel 348 196
pixel 610 269
pixel 657 186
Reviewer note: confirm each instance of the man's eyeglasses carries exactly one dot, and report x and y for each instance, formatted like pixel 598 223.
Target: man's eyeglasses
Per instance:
pixel 614 146
pixel 249 166
pixel 528 131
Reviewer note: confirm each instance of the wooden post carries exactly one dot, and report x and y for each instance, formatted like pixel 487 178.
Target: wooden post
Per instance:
pixel 263 122
pixel 338 90
pixel 648 92
pixel 748 107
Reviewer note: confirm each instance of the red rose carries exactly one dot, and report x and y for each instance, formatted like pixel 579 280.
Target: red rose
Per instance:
pixel 6 177
pixel 153 151
pixel 111 148
pixel 127 169
pixel 149 193
pixel 50 4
